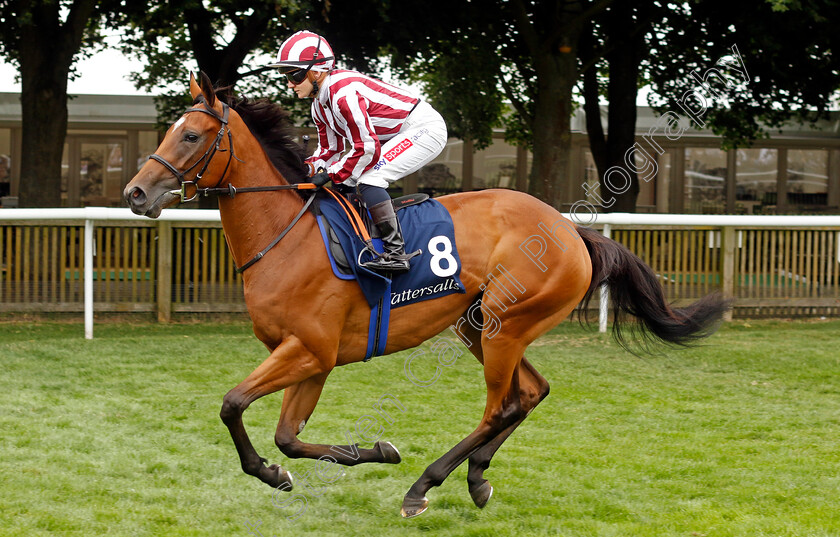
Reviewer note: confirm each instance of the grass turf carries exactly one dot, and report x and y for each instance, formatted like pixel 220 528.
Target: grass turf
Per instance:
pixel 121 436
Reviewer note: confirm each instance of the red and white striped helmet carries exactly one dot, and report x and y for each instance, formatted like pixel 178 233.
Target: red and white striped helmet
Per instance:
pixel 305 50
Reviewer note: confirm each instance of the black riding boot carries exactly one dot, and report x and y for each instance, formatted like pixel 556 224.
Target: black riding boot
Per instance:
pixel 386 222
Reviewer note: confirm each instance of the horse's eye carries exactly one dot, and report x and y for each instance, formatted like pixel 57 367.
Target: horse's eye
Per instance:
pixel 191 138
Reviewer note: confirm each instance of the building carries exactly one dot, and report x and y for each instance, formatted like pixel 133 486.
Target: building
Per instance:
pixel 108 138
pixel 796 170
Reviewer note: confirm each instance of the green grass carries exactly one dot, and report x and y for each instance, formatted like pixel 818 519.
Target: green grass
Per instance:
pixel 121 436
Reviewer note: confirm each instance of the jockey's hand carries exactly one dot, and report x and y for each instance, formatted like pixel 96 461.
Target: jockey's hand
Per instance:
pixel 320 179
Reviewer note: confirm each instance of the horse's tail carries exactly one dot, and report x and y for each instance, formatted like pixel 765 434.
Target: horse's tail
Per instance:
pixel 635 289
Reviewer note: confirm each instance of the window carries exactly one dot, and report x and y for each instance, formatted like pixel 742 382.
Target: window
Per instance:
pixel 647 175
pixel 663 183
pixel 807 181
pixel 495 166
pixel 705 177
pixel 93 171
pixel 101 172
pixel 440 176
pixel 591 181
pixel 148 143
pixel 5 162
pixel 756 171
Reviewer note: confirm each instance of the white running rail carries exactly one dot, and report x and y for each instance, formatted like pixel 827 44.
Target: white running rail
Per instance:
pixel 91 215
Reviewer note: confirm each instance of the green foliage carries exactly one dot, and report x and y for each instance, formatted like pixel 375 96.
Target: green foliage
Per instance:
pixel 518 79
pixel 788 48
pixel 48 17
pixel 230 40
pixel 485 64
pixel 12 17
pixel 459 58
pixel 44 38
pixel 461 83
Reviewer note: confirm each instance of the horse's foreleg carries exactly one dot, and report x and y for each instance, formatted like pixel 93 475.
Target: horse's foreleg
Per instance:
pixel 298 403
pixel 501 410
pixel 289 364
pixel 533 389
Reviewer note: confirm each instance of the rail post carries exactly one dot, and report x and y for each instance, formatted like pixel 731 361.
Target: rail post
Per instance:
pixel 164 272
pixel 88 275
pixel 728 244
pixel 604 304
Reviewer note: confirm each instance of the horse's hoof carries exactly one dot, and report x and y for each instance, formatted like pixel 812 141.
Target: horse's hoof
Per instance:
pixel 481 494
pixel 283 479
pixel 390 454
pixel 412 507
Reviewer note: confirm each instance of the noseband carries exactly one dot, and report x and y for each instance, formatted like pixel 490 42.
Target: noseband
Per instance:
pixel 206 158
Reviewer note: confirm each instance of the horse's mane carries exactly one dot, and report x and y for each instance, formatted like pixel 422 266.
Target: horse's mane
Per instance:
pixel 272 127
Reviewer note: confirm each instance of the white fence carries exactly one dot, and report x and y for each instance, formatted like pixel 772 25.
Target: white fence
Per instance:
pixel 750 251
pixel 91 216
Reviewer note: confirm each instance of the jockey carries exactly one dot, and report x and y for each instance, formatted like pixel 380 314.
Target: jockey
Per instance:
pixel 370 133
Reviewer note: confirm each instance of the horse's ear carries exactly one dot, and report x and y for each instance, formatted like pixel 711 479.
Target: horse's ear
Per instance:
pixel 195 90
pixel 207 89
pixel 204 88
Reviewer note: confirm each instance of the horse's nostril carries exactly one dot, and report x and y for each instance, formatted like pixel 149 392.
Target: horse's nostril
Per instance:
pixel 136 196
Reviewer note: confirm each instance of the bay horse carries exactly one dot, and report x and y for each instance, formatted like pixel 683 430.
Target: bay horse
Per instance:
pixel 312 322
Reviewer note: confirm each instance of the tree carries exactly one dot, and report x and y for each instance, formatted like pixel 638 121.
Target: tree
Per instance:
pixel 478 53
pixel 220 37
pixel 43 38
pixel 693 54
pixel 789 65
pixel 535 53
pixel 614 43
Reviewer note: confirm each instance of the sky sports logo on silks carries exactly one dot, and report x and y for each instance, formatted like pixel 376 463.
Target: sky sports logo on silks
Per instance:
pixel 401 147
pixel 395 152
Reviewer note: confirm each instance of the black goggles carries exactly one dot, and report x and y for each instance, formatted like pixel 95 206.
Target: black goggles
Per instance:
pixel 296 76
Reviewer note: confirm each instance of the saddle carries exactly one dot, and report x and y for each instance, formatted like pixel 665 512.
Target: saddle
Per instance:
pixel 344 225
pixel 357 212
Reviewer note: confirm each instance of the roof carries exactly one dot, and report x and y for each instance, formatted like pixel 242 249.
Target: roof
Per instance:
pixel 128 110
pixel 649 122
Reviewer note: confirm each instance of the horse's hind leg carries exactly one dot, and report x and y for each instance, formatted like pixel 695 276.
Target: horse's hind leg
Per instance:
pixel 533 388
pixel 502 409
pixel 502 352
pixel 298 404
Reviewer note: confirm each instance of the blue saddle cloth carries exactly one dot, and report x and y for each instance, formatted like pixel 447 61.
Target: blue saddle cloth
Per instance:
pixel 435 273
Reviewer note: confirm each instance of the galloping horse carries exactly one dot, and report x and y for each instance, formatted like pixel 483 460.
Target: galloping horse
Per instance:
pixel 312 322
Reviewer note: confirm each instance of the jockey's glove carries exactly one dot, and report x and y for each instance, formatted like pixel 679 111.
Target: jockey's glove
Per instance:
pixel 320 179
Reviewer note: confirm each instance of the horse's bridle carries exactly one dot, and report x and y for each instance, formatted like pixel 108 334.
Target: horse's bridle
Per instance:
pixel 230 190
pixel 206 157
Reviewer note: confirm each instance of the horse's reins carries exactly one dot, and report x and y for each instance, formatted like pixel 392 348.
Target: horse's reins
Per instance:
pixel 230 190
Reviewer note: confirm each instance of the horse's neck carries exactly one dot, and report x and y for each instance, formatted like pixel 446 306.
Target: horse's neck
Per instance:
pixel 251 220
